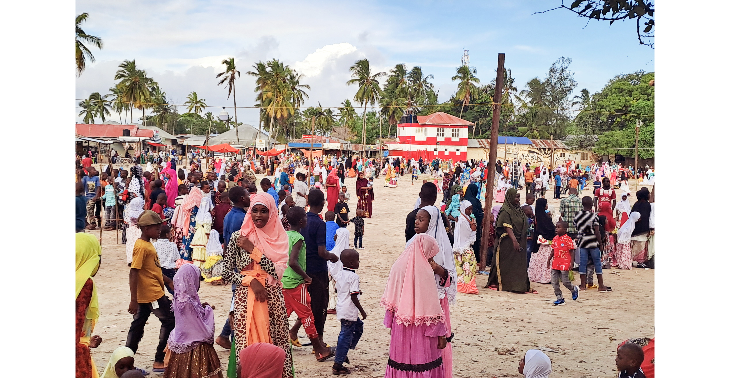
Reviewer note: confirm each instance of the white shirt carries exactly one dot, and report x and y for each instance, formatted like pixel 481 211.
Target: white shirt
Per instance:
pixel 167 253
pixel 300 187
pixel 347 283
pixel 206 205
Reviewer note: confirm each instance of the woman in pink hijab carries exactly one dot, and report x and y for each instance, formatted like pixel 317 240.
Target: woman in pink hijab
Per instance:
pixel 171 186
pixel 261 360
pixel 255 262
pixel 413 312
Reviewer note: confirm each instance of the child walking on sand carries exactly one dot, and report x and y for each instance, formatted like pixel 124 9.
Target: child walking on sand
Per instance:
pixel 348 305
pixel 359 223
pixel 563 252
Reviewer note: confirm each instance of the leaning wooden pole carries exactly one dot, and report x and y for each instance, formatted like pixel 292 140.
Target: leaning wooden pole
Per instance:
pixel 496 107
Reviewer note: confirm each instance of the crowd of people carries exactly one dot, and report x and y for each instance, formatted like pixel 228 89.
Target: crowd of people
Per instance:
pixel 283 244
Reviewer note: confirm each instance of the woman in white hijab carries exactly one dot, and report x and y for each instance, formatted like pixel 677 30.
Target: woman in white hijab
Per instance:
pixel 535 364
pixel 623 254
pixel 464 259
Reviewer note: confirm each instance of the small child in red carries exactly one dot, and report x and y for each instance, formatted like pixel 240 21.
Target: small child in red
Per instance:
pixel 159 206
pixel 562 259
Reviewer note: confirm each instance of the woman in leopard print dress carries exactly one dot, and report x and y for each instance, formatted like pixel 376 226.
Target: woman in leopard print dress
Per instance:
pixel 255 261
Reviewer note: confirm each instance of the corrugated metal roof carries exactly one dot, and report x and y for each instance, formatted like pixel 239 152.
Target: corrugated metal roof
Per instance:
pixel 304 145
pixel 500 140
pixel 111 131
pixel 441 118
pixel 547 143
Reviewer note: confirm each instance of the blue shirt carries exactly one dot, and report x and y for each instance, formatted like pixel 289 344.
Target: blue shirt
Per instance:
pixel 90 186
pixel 274 194
pixel 232 222
pixel 558 180
pixel 283 179
pixel 314 236
pixel 332 227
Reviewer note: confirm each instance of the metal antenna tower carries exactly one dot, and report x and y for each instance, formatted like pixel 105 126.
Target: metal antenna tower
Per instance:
pixel 465 58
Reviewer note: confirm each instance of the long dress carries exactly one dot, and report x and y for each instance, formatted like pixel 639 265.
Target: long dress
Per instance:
pixel 332 191
pixel 414 349
pixel 509 267
pixel 538 270
pixel 364 198
pixel 239 260
pixel 84 364
pixel 186 250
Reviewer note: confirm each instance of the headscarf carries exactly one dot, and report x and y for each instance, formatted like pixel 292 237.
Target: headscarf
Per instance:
pixel 134 209
pixel 88 252
pixel 624 233
pixel 456 189
pixel 411 292
pixel 261 360
pixel 515 211
pixel 342 242
pixel 271 239
pixel 543 224
pixel 171 186
pixel 463 235
pixel 214 246
pixel 472 191
pixel 118 354
pixel 333 174
pixel 194 324
pixel 537 364
pixel 445 256
pixel 191 200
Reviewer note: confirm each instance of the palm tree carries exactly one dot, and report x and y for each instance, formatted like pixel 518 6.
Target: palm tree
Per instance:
pixel 87 110
pixel 134 86
pixel 368 89
pixel 101 105
pixel 195 105
pixel 229 78
pixel 261 74
pixel 118 104
pixel 347 116
pixel 421 89
pixel 83 52
pixel 393 108
pixel 467 80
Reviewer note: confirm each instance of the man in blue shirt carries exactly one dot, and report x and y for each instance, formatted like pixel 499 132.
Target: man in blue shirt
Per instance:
pixel 232 223
pixel 558 184
pixel 92 192
pixel 317 256
pixel 284 178
pixel 266 187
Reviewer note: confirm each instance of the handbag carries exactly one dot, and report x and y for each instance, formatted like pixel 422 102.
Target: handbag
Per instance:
pixel 472 222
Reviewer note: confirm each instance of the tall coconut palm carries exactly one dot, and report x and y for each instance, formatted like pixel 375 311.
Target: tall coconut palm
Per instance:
pixel 467 79
pixel 420 88
pixel 195 105
pixel 368 91
pixel 87 110
pixel 347 116
pixel 134 85
pixel 229 77
pixel 262 80
pixel 117 102
pixel 83 52
pixel 393 108
pixel 101 105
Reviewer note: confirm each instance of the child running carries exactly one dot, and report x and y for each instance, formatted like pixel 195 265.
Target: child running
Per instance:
pixel 563 251
pixel 295 281
pixel 146 288
pixel 348 305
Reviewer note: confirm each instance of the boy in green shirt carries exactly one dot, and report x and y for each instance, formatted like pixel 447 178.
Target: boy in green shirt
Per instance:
pixel 295 281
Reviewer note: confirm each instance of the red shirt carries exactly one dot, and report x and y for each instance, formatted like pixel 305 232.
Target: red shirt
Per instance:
pixel 158 209
pixel 604 195
pixel 219 215
pixel 562 246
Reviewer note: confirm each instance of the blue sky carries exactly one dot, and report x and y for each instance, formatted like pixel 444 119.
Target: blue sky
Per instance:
pixel 181 43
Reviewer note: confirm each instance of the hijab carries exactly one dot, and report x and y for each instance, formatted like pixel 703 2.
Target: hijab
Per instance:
pixel 171 186
pixel 271 239
pixel 472 191
pixel 543 224
pixel 134 209
pixel 88 257
pixel 537 364
pixel 333 174
pixel 514 211
pixel 194 324
pixel 118 354
pixel 463 235
pixel 624 233
pixel 445 255
pixel 411 292
pixel 342 242
pixel 191 200
pixel 261 360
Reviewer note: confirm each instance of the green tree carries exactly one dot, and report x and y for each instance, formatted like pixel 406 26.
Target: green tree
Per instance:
pixel 195 105
pixel 467 79
pixel 83 52
pixel 346 116
pixel 161 110
pixel 118 103
pixel 421 89
pixel 101 105
pixel 368 88
pixel 88 110
pixel 229 77
pixel 618 10
pixel 134 86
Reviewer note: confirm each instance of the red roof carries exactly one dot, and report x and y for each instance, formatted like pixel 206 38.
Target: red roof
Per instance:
pixel 111 131
pixel 441 118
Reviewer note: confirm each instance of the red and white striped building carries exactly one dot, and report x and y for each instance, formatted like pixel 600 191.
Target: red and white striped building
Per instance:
pixel 436 135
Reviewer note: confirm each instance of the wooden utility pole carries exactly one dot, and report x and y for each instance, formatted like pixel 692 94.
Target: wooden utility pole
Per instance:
pixel 311 150
pixel 380 135
pixel 496 106
pixel 636 155
pixel 552 153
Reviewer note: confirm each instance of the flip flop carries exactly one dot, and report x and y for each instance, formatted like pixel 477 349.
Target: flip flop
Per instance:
pixel 158 370
pixel 295 342
pixel 321 358
pixel 313 352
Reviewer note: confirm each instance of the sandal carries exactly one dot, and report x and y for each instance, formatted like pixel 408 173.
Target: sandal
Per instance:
pixel 340 370
pixel 313 352
pixel 608 288
pixel 295 342
pixel 321 358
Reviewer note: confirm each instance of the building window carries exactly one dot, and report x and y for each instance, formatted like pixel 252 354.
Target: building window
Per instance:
pixel 435 150
pixel 562 154
pixel 440 132
pixel 454 132
pixel 584 156
pixel 457 150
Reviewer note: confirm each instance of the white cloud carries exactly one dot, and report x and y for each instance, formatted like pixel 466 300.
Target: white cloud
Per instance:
pixel 313 64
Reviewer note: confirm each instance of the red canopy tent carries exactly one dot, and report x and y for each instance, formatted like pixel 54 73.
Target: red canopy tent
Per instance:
pixel 225 148
pixel 271 152
pixel 208 148
pixel 156 144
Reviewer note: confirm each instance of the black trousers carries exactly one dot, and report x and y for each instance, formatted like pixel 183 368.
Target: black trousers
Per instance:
pixel 320 295
pixel 136 330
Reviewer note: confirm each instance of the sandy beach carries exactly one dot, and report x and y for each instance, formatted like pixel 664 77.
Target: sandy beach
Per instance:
pixel 492 329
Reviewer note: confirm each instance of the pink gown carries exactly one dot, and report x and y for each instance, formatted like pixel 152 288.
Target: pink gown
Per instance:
pixel 414 350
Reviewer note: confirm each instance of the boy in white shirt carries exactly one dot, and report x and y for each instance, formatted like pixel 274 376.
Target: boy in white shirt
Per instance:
pixel 167 253
pixel 348 305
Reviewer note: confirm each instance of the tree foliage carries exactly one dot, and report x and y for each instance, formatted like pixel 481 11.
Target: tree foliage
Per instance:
pixel 83 52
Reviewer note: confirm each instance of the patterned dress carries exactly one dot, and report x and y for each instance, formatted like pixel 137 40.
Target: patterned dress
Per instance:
pixel 235 260
pixel 186 250
pixel 83 356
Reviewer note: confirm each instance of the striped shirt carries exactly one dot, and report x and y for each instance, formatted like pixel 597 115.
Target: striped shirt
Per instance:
pixel 584 223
